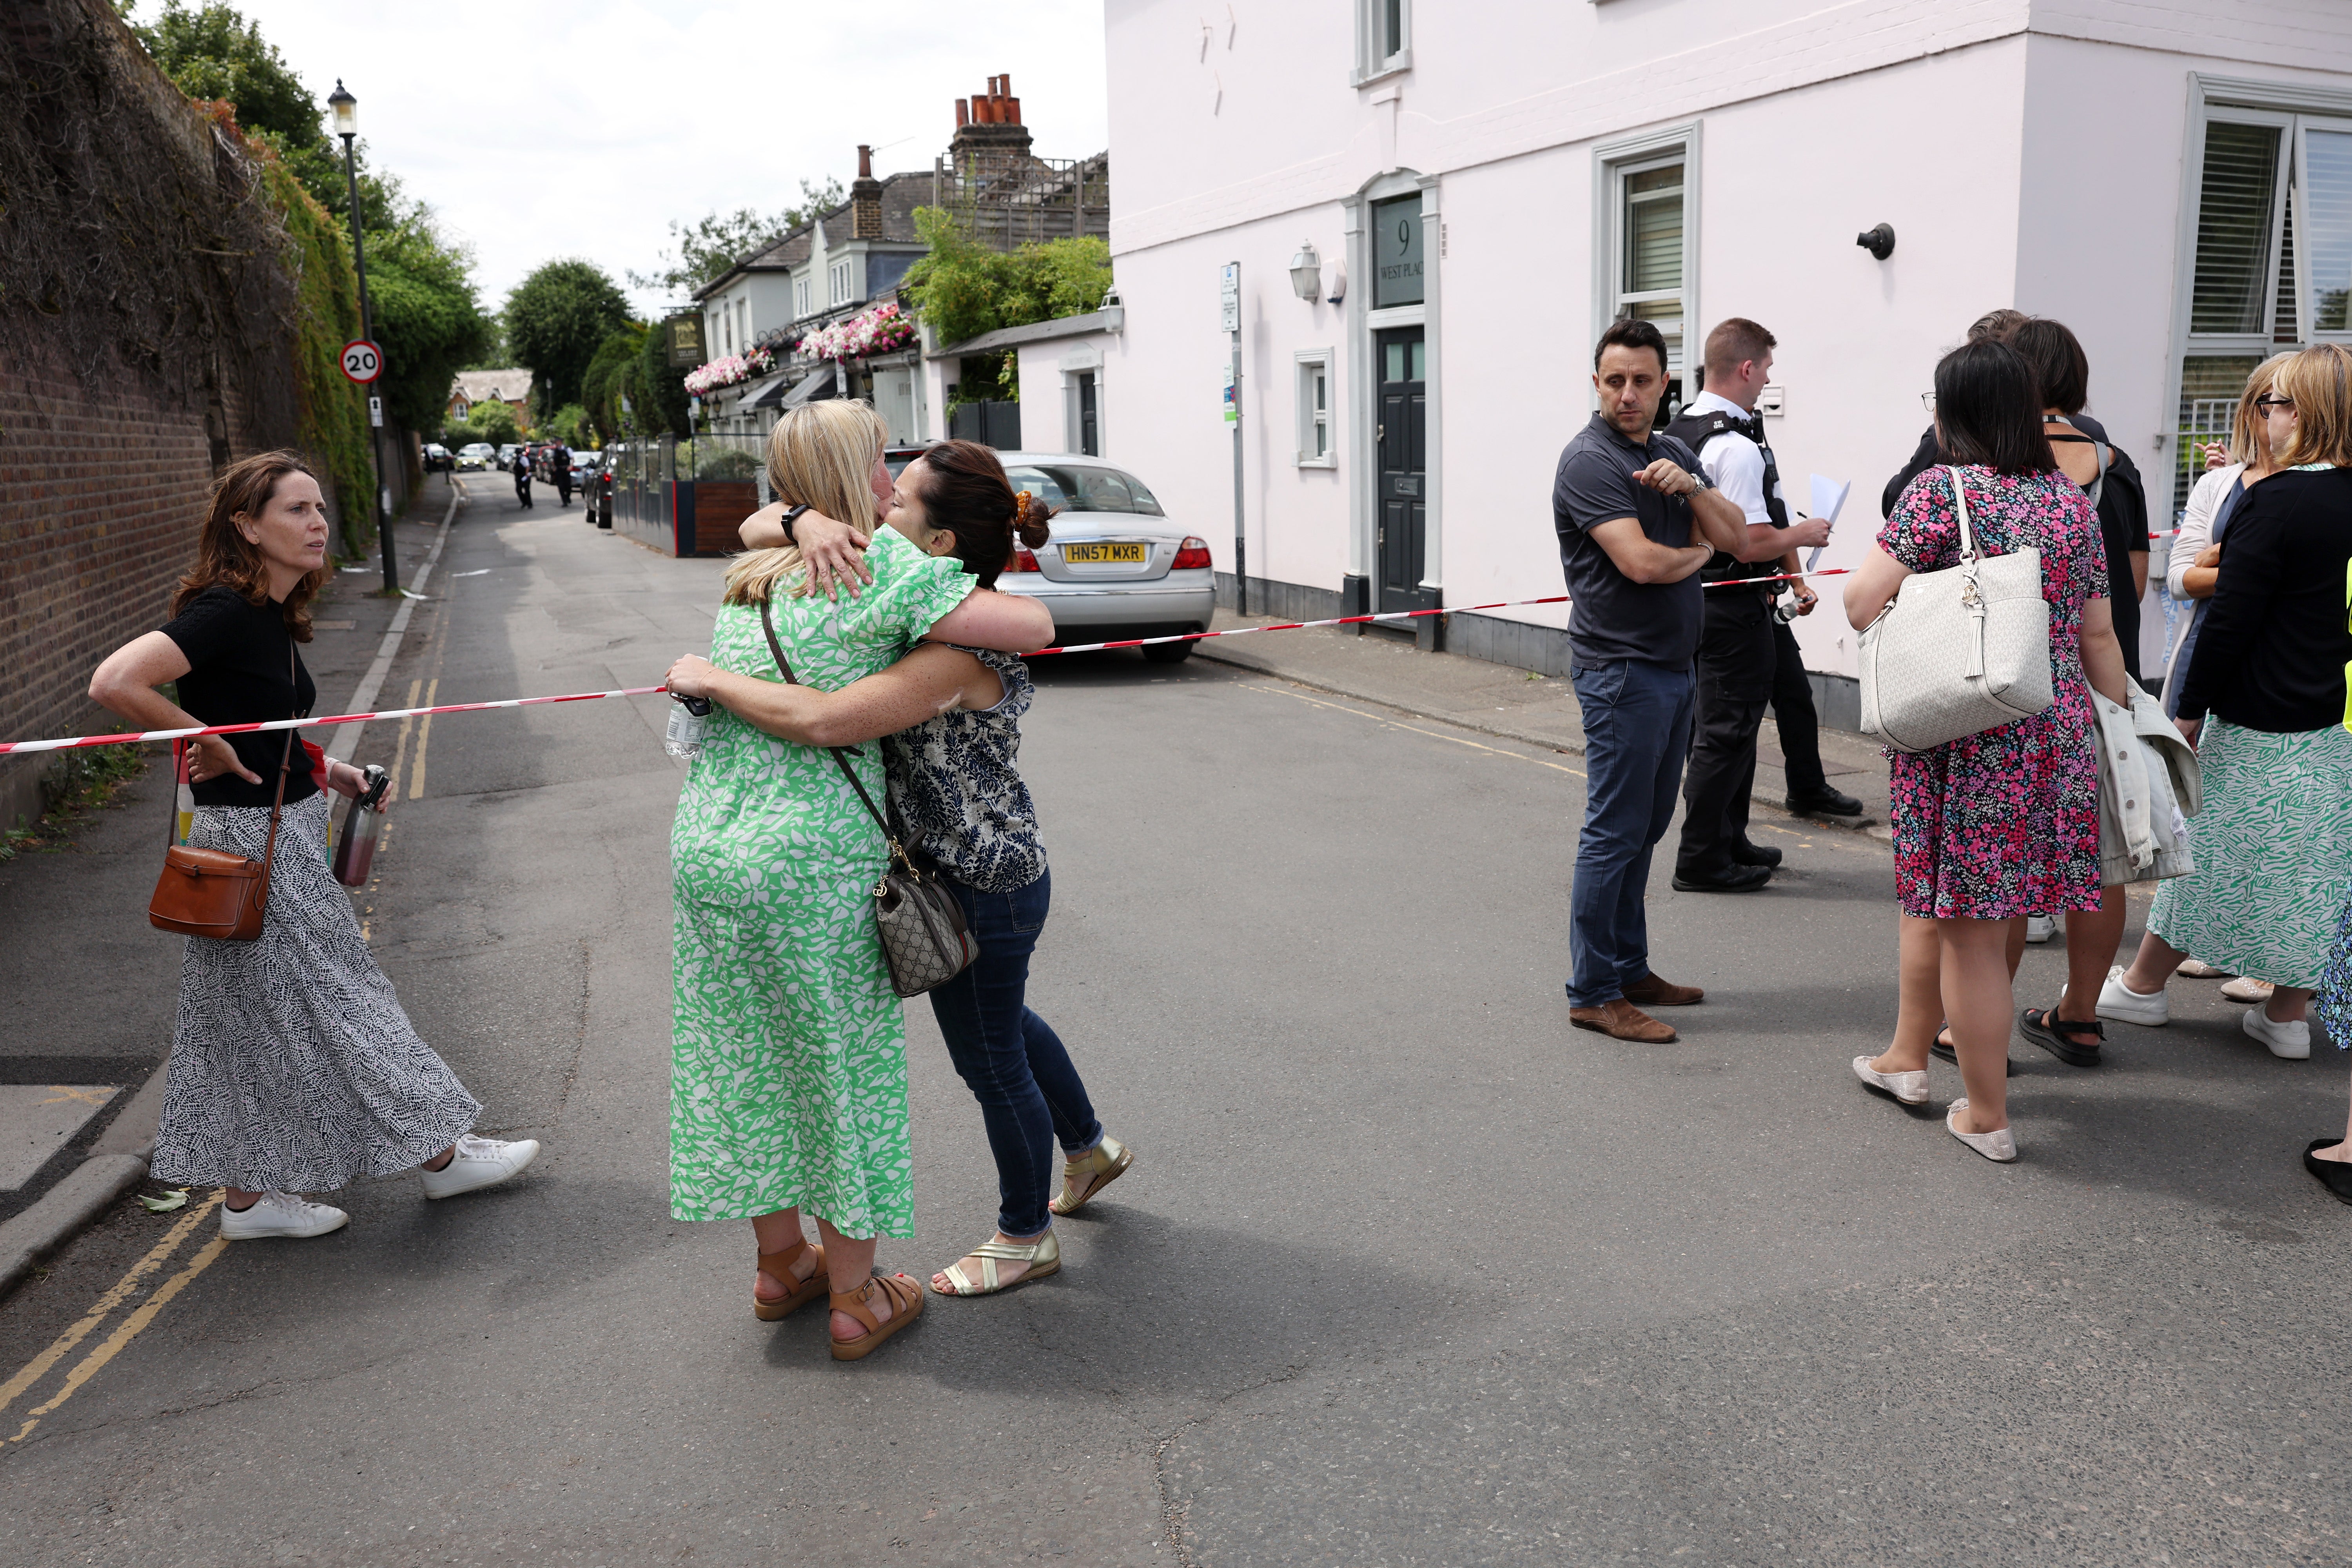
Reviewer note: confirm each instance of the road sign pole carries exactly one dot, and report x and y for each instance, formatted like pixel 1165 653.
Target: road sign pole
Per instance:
pixel 367 331
pixel 1233 321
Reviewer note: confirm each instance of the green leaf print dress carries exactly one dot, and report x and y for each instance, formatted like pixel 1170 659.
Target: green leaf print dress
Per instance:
pixel 788 1076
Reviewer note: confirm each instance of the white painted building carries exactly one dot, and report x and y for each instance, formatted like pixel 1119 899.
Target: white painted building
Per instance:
pixel 1495 180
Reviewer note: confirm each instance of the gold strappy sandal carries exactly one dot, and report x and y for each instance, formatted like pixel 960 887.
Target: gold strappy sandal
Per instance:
pixel 778 1266
pixel 1098 1168
pixel 906 1305
pixel 1043 1256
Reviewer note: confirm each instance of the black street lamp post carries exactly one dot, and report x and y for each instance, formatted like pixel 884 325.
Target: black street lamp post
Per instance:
pixel 346 110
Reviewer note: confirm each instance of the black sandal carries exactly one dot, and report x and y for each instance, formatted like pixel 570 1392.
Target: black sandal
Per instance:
pixel 1944 1049
pixel 2046 1028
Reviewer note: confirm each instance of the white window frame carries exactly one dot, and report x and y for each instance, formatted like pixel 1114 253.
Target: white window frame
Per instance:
pixel 1310 364
pixel 1613 161
pixel 839 282
pixel 1372 64
pixel 2242 101
pixel 804 287
pixel 1086 360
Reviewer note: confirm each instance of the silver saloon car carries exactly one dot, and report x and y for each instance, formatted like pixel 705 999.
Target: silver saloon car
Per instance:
pixel 1116 567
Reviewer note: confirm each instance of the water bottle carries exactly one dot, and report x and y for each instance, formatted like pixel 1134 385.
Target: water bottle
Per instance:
pixel 363 825
pixel 684 738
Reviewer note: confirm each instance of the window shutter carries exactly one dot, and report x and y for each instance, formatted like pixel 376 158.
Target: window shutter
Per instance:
pixel 2234 227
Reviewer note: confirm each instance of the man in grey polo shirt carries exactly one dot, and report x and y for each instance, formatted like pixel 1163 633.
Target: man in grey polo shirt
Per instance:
pixel 1636 519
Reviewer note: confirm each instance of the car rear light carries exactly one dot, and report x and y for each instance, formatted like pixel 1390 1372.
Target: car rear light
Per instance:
pixel 1192 555
pixel 1023 559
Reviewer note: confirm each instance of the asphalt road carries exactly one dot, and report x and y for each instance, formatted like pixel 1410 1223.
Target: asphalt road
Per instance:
pixel 1408 1271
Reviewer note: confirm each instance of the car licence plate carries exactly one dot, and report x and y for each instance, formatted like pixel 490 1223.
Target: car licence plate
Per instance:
pixel 1133 554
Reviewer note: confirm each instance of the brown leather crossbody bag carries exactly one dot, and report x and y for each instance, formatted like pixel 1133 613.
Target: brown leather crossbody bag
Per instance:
pixel 218 892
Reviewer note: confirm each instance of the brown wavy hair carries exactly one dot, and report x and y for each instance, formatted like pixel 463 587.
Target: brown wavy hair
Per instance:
pixel 225 558
pixel 965 492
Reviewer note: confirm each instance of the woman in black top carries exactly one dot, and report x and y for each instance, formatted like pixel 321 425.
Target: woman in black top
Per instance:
pixel 293 1068
pixel 2265 686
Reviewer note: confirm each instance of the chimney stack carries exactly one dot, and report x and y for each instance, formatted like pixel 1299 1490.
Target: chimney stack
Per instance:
pixel 990 127
pixel 866 198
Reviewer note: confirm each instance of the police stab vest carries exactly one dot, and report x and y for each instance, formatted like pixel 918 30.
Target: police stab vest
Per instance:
pixel 1695 430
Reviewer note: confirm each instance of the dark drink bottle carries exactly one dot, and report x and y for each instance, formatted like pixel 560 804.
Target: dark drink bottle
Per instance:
pixel 355 849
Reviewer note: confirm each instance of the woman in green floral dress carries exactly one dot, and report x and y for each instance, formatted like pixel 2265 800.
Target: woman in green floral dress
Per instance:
pixel 789 1069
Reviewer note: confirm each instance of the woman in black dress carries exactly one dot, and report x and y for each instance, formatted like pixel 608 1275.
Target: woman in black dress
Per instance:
pixel 293 1068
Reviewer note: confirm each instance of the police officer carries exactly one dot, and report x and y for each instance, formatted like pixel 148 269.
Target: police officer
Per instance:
pixel 1738 653
pixel 558 468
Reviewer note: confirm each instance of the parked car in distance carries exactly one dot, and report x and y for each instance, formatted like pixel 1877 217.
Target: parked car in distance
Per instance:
pixel 1116 567
pixel 479 455
pixel 897 457
pixel 506 454
pixel 437 456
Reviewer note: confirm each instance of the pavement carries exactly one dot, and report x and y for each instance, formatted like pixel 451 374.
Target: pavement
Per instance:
pixel 1408 1271
pixel 1380 665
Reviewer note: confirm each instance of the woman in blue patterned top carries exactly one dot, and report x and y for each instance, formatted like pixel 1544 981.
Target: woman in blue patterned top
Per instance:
pixel 949 720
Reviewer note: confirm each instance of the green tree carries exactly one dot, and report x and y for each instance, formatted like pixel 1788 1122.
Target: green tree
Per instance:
pixel 555 320
pixel 701 252
pixel 428 318
pixel 613 374
pixel 491 421
pixel 569 425
pixel 961 289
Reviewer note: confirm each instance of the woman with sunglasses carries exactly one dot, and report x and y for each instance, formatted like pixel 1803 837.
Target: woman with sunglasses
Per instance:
pixel 2263 699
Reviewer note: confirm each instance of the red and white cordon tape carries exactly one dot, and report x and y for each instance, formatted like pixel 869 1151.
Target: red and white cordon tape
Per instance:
pixel 70 742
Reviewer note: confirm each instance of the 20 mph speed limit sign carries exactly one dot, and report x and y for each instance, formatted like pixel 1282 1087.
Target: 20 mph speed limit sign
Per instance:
pixel 362 361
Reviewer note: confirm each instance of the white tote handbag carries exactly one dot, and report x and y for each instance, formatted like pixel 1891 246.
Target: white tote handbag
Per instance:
pixel 1959 651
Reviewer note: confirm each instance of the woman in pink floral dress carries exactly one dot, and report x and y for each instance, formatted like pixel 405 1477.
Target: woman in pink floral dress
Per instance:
pixel 1997 825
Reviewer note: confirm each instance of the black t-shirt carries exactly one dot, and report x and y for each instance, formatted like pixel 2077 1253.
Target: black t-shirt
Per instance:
pixel 237 654
pixel 1610 615
pixel 2272 651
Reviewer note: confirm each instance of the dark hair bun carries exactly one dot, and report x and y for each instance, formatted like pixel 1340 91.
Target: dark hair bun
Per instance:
pixel 1030 518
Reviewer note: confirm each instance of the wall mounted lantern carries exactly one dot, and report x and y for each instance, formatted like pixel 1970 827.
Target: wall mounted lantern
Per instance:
pixel 1307 271
pixel 1114 312
pixel 1878 241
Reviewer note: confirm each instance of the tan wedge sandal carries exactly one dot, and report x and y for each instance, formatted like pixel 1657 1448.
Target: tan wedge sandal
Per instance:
pixel 778 1266
pixel 906 1305
pixel 1043 1256
pixel 1098 1168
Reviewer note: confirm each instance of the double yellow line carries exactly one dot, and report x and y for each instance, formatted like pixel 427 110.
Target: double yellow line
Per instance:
pixel 82 1371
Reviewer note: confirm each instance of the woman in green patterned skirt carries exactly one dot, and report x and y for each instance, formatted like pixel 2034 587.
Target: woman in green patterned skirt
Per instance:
pixel 2265 684
pixel 789 1067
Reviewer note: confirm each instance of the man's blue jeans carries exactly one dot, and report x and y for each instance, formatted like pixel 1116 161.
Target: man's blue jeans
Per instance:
pixel 1637 723
pixel 1029 1093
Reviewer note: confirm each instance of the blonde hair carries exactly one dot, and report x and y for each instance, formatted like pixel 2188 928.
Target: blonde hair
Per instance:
pixel 821 456
pixel 2318 382
pixel 2245 425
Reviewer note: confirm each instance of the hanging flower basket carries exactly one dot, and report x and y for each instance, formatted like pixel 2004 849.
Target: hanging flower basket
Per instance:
pixel 869 333
pixel 728 371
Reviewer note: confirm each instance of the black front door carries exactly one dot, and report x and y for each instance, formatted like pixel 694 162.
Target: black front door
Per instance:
pixel 1089 436
pixel 1402 358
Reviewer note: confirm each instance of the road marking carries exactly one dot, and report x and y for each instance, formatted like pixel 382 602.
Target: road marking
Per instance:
pixel 39 1367
pixel 423 733
pixel 1393 723
pixel 91 1365
pixel 399 747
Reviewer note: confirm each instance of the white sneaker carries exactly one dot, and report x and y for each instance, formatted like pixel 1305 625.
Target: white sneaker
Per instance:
pixel 479 1163
pixel 280 1213
pixel 2119 1001
pixel 2288 1042
pixel 2040 929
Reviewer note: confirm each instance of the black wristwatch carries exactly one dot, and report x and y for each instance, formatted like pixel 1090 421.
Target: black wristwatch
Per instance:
pixel 790 514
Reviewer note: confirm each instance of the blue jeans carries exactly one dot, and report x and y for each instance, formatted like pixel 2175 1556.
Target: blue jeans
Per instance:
pixel 1637 724
pixel 1029 1094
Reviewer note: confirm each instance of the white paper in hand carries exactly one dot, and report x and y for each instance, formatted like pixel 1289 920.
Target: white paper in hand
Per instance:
pixel 1829 500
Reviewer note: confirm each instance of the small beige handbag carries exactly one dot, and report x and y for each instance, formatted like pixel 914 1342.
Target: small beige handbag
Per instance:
pixel 1959 651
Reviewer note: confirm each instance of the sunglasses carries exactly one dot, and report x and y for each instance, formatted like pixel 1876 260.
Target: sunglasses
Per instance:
pixel 2266 404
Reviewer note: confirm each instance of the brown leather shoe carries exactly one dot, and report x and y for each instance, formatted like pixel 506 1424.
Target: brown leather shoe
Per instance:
pixel 1621 1020
pixel 1652 991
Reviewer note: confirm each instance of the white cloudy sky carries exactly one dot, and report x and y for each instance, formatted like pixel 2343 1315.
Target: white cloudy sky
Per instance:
pixel 540 130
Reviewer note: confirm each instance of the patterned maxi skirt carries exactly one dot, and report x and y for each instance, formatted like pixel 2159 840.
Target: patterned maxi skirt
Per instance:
pixel 2274 848
pixel 292 1064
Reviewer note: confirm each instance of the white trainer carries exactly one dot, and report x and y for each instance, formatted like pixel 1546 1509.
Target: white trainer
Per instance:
pixel 2119 1001
pixel 2288 1042
pixel 280 1213
pixel 2040 929
pixel 479 1163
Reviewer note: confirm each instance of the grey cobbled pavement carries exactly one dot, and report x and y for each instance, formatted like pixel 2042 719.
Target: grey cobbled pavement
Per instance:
pixel 1407 1271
